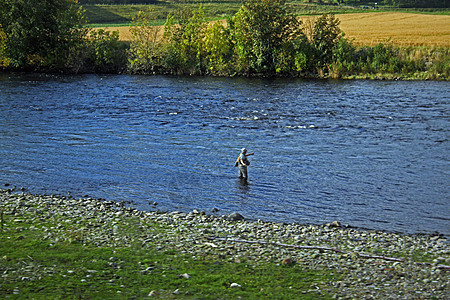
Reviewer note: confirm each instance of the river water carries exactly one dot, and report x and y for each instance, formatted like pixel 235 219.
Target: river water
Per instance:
pixel 372 154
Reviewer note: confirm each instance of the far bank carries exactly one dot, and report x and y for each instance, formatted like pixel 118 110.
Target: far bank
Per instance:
pixel 263 39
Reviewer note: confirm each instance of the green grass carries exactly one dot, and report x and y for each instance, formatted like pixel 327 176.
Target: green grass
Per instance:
pixel 34 266
pixel 123 14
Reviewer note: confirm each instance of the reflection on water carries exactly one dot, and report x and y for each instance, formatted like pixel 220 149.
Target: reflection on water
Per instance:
pixel 370 154
pixel 244 186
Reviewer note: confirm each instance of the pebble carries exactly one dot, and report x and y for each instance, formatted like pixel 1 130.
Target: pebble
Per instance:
pixel 100 223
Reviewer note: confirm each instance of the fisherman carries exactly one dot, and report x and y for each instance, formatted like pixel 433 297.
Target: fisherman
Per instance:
pixel 242 161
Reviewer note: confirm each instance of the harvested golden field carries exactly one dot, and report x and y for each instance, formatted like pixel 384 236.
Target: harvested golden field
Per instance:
pixel 369 29
pixel 404 29
pixel 124 32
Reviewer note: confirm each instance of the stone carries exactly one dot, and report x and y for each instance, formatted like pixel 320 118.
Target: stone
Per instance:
pixel 334 224
pixel 235 217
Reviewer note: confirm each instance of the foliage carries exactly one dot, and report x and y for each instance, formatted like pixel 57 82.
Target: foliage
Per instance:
pixel 343 63
pixel 219 49
pixel 264 38
pixel 107 53
pixel 186 53
pixel 41 33
pixel 325 36
pixel 146 48
pixel 4 62
pixel 261 28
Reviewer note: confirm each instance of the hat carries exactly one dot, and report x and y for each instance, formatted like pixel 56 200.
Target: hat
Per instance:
pixel 243 150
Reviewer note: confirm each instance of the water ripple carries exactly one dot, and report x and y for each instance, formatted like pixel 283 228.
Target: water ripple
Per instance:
pixel 370 154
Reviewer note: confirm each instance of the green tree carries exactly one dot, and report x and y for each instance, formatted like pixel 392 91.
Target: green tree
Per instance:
pixel 343 53
pixel 326 34
pixel 41 33
pixel 146 49
pixel 219 49
pixel 186 53
pixel 108 54
pixel 260 29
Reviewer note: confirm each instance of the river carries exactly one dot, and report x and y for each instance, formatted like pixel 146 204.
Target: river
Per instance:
pixel 371 154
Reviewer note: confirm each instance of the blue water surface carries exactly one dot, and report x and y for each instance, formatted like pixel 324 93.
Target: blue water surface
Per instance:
pixel 372 154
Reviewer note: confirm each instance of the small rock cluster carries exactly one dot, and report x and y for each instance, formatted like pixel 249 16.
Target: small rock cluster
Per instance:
pixel 375 264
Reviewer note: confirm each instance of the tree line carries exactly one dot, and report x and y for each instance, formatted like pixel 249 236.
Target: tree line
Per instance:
pixel 264 38
pixel 396 3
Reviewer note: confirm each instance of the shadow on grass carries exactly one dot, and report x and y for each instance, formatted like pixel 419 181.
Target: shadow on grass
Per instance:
pixel 97 14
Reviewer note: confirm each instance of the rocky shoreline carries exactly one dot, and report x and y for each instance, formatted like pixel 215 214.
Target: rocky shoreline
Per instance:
pixel 375 264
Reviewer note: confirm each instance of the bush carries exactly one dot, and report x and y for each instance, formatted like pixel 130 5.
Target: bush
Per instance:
pixel 186 39
pixel 261 32
pixel 146 49
pixel 219 49
pixel 107 53
pixel 325 36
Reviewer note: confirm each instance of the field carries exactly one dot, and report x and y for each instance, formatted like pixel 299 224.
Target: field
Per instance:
pixel 369 29
pixel 404 29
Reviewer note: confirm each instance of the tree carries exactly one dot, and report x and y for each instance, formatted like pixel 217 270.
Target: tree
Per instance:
pixel 186 53
pixel 146 47
pixel 41 33
pixel 107 52
pixel 219 49
pixel 260 28
pixel 326 34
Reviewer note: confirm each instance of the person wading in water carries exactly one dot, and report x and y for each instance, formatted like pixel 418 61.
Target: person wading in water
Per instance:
pixel 242 161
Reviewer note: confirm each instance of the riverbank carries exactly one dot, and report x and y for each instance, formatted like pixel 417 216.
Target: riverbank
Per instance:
pixel 136 253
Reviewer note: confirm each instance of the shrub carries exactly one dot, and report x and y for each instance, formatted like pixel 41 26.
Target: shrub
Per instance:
pixel 186 42
pixel 219 49
pixel 146 48
pixel 325 36
pixel 107 53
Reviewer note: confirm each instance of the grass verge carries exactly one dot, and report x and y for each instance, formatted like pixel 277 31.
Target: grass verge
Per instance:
pixel 35 264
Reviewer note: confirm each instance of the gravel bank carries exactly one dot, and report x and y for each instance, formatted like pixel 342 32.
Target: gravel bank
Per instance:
pixel 376 265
